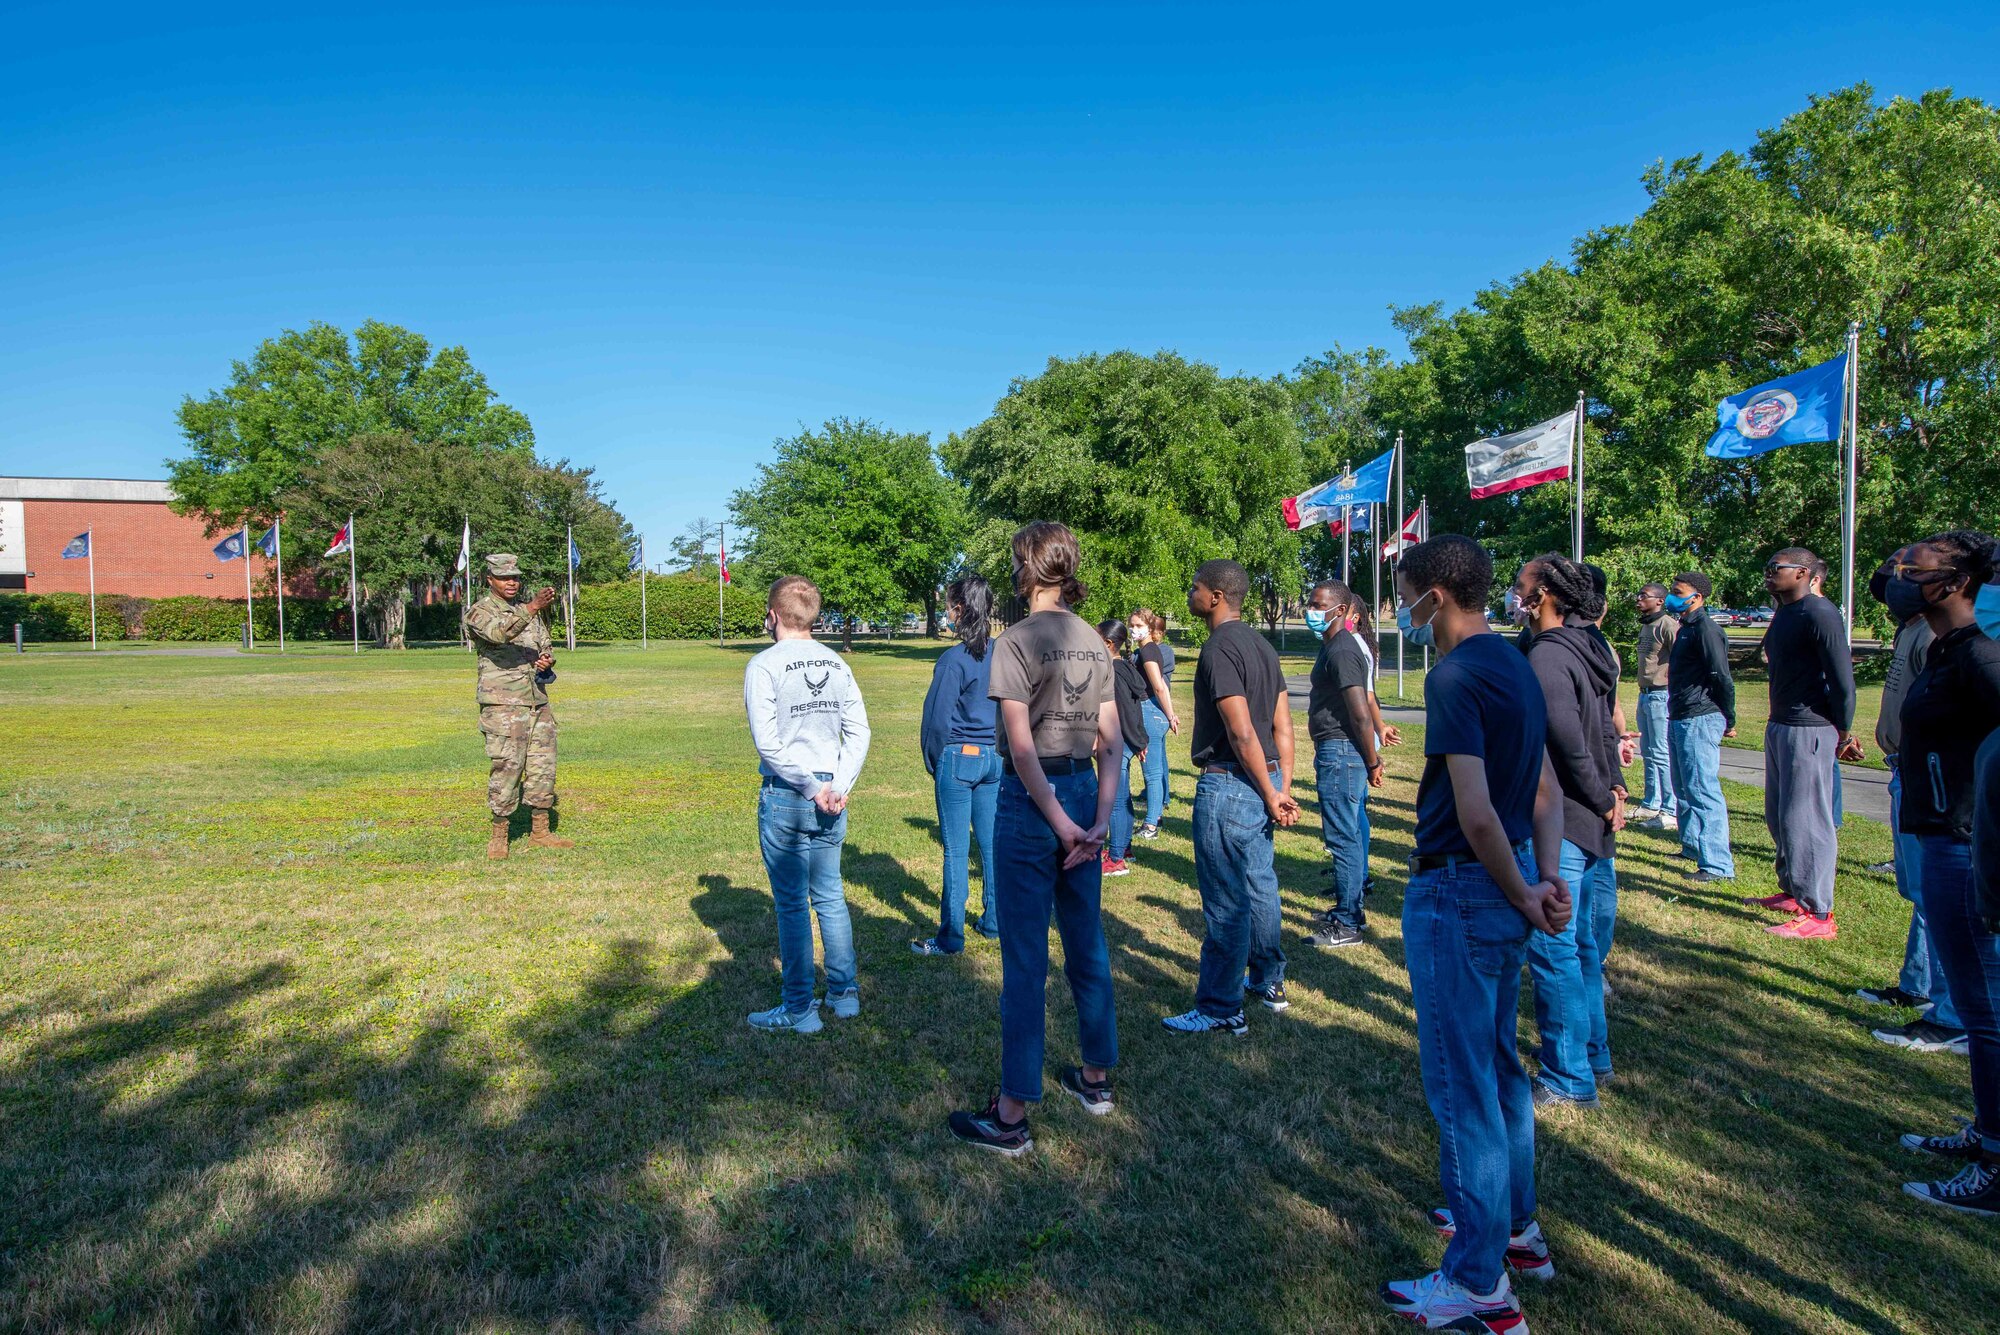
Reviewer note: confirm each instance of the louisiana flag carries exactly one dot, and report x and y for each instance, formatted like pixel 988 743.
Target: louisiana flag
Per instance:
pixel 343 541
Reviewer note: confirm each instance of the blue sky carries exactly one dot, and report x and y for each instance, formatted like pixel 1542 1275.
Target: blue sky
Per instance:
pixel 670 236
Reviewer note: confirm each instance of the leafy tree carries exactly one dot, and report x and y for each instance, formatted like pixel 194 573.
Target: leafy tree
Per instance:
pixel 1157 463
pixel 694 550
pixel 860 510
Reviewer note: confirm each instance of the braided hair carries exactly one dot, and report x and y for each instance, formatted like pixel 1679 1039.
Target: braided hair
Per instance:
pixel 1570 584
pixel 1969 552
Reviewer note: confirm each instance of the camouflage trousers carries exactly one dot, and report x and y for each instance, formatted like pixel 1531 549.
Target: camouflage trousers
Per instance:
pixel 521 743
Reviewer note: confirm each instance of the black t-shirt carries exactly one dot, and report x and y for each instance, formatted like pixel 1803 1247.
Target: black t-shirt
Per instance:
pixel 1235 661
pixel 1342 663
pixel 1811 670
pixel 1129 690
pixel 1159 656
pixel 1481 699
pixel 1952 707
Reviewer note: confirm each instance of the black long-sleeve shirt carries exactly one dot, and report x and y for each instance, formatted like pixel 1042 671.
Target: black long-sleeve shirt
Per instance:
pixel 1952 707
pixel 1812 672
pixel 1698 680
pixel 1986 829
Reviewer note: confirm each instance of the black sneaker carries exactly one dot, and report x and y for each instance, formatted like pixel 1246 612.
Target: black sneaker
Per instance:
pixel 1095 1096
pixel 1710 878
pixel 1891 996
pixel 1271 994
pixel 1368 884
pixel 1963 1144
pixel 1335 935
pixel 985 1130
pixel 929 946
pixel 1923 1036
pixel 1196 1022
pixel 1976 1190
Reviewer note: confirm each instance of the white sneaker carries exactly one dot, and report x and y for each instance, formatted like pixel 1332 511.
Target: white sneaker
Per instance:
pixel 1640 815
pixel 845 1005
pixel 1436 1303
pixel 1195 1022
pixel 778 1020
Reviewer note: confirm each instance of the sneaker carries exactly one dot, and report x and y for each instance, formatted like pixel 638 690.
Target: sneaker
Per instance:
pixel 1334 935
pixel 985 1130
pixel 1782 902
pixel 1961 1144
pixel 1805 927
pixel 1368 885
pixel 1882 868
pixel 1095 1096
pixel 1195 1022
pixel 845 1005
pixel 1711 878
pixel 1149 832
pixel 1976 1190
pixel 1641 815
pixel 1548 1098
pixel 1271 994
pixel 929 946
pixel 1113 866
pixel 985 935
pixel 1924 1036
pixel 778 1020
pixel 1891 996
pixel 1436 1303
pixel 1527 1249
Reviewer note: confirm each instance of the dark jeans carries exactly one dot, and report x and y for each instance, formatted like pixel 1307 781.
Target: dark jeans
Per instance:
pixel 1233 867
pixel 1032 885
pixel 968 786
pixel 1343 823
pixel 1970 955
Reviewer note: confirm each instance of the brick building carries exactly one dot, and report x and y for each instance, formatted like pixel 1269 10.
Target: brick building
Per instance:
pixel 142 547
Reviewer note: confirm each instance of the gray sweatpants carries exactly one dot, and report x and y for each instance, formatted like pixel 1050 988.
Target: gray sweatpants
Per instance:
pixel 1799 776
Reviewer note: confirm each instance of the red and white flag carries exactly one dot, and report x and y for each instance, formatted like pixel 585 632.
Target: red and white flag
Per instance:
pixel 1495 465
pixel 1412 533
pixel 343 541
pixel 722 557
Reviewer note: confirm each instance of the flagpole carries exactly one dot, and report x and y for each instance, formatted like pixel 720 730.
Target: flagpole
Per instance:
pixel 722 555
pixel 1375 610
pixel 569 562
pixel 1397 564
pixel 1424 535
pixel 278 548
pixel 1576 534
pixel 90 549
pixel 249 596
pixel 1847 518
pixel 353 588
pixel 643 642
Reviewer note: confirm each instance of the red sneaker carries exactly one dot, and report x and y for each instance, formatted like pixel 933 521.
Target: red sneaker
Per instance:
pixel 1113 866
pixel 1805 927
pixel 1783 903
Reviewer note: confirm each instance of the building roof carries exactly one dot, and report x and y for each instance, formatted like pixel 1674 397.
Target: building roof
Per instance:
pixel 83 489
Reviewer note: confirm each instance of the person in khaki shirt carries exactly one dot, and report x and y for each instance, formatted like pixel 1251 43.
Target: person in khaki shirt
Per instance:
pixel 1656 643
pixel 516 660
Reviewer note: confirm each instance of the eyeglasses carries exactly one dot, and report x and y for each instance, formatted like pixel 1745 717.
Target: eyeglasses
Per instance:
pixel 1773 567
pixel 1919 574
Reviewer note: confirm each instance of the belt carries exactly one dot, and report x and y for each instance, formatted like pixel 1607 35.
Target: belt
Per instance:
pixel 1054 766
pixel 773 781
pixel 1232 767
pixel 1651 690
pixel 1443 861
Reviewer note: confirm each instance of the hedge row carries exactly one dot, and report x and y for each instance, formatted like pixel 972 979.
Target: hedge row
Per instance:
pixel 678 607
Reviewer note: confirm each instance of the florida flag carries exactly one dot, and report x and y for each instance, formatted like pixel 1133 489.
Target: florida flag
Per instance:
pixel 343 541
pixel 1495 465
pixel 1413 532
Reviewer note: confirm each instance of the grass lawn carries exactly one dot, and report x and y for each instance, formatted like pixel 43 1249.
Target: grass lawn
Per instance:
pixel 280 1050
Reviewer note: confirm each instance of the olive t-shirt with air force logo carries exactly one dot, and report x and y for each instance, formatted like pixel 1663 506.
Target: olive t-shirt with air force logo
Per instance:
pixel 1056 664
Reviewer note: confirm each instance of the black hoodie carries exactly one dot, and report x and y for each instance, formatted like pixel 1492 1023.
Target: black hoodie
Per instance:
pixel 1578 679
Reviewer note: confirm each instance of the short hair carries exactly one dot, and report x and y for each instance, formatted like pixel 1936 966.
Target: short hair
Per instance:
pixel 1046 555
pixel 1570 584
pixel 1802 556
pixel 1697 581
pixel 796 601
pixel 1654 590
pixel 1112 631
pixel 1227 578
pixel 1454 563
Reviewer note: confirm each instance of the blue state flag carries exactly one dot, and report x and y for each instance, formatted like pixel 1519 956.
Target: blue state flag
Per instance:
pixel 230 547
pixel 268 544
pixel 638 558
pixel 575 557
pixel 77 547
pixel 1804 408
pixel 1366 485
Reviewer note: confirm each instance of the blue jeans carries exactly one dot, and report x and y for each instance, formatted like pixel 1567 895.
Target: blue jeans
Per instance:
pixel 1464 945
pixel 1567 970
pixel 1032 884
pixel 1970 955
pixel 1603 904
pixel 1343 823
pixel 1118 842
pixel 1656 752
pixel 1704 816
pixel 1922 975
pixel 1235 871
pixel 1154 768
pixel 802 856
pixel 968 784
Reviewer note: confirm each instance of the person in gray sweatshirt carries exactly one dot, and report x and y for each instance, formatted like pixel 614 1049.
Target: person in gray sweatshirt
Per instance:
pixel 811 733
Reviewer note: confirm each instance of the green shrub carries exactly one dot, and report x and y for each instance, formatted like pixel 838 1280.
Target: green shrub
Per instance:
pixel 46 617
pixel 438 621
pixel 195 618
pixel 678 607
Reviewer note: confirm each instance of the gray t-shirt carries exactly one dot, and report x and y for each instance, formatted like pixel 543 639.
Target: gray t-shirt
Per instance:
pixel 1906 660
pixel 1056 664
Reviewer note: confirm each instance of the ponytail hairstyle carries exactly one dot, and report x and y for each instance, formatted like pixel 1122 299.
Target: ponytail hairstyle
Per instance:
pixel 1046 556
pixel 1153 622
pixel 1570 584
pixel 1112 631
pixel 975 597
pixel 1970 553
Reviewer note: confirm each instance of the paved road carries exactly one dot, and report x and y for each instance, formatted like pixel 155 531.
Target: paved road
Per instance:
pixel 1864 791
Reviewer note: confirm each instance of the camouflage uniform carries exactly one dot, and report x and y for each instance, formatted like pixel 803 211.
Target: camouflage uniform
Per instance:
pixel 514 710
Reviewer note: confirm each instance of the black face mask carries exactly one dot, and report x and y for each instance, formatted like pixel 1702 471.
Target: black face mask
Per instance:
pixel 1648 618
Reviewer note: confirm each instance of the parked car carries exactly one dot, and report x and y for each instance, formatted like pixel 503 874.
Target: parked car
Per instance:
pixel 1723 616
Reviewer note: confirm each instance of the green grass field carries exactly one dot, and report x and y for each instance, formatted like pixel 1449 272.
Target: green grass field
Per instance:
pixel 280 1051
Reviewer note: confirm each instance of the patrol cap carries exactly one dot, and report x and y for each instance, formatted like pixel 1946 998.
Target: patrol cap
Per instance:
pixel 503 564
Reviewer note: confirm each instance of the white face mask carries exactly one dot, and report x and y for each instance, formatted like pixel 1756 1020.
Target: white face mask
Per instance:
pixel 1140 634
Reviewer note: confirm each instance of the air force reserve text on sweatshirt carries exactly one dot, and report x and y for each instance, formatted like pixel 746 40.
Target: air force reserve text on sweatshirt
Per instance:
pixel 806 716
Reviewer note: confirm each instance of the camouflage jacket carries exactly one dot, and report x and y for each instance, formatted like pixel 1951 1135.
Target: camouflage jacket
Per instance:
pixel 508 639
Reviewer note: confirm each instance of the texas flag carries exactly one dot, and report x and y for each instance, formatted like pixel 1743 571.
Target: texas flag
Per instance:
pixel 343 541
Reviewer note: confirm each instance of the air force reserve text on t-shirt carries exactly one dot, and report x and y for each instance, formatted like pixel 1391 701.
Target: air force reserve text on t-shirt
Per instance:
pixel 1055 664
pixel 806 716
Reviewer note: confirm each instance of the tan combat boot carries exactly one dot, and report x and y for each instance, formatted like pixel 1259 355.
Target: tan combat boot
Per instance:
pixel 496 847
pixel 540 837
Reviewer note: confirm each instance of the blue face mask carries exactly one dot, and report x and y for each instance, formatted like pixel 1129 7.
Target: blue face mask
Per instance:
pixel 1419 636
pixel 1317 621
pixel 1986 610
pixel 1677 603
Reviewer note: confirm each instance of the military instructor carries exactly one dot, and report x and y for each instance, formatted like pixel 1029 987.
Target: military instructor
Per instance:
pixel 516 663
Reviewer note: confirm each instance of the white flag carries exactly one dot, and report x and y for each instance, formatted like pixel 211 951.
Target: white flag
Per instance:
pixel 464 549
pixel 1495 465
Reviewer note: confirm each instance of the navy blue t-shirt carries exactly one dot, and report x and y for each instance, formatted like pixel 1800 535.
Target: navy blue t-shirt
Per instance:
pixel 1481 700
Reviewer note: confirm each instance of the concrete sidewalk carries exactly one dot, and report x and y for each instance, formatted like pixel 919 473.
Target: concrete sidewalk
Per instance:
pixel 1863 791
